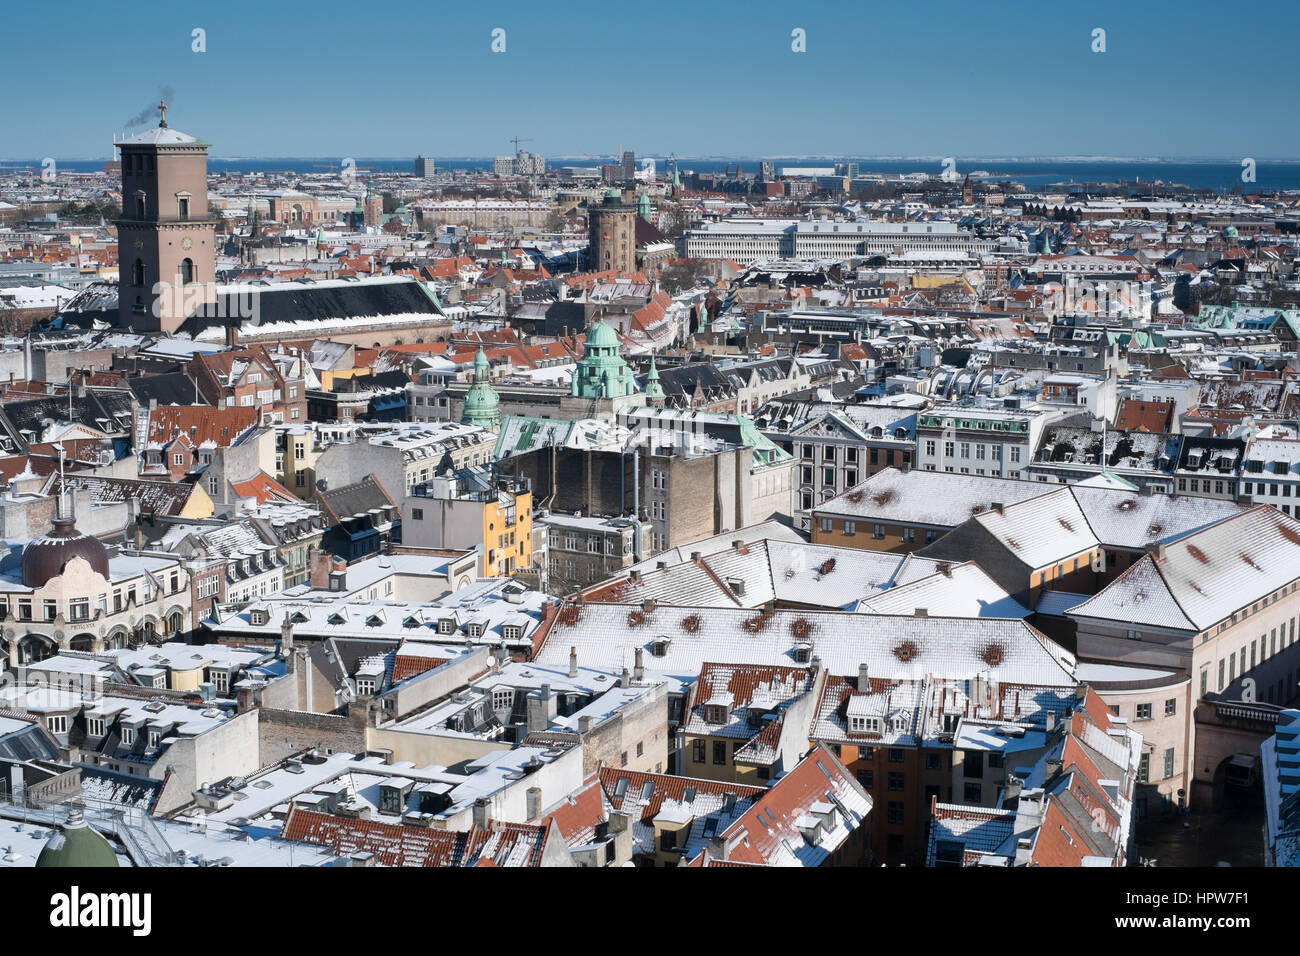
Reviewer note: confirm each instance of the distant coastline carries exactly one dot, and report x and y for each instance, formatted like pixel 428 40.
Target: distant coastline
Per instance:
pixel 1220 175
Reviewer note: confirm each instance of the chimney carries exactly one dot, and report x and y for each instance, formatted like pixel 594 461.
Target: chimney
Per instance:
pixel 638 671
pixel 922 612
pixel 996 506
pixel 481 812
pixel 533 800
pixel 1146 491
pixel 573 662
pixel 864 680
pixel 718 847
pixel 634 575
pixel 1051 721
pixel 1052 766
pixel 584 724
pixel 286 636
pixel 648 606
pixel 625 679
pixel 232 336
pixel 1156 549
pixel 695 556
pixel 319 562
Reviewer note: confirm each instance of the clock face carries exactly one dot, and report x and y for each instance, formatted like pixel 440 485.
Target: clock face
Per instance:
pixel 186 242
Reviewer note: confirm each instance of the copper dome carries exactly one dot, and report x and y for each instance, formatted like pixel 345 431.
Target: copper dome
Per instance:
pixel 46 556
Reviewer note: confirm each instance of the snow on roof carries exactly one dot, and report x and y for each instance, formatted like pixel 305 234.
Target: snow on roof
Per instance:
pixel 965 591
pixel 1205 576
pixel 933 498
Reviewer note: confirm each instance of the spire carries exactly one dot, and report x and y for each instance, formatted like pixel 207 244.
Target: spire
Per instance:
pixel 162 113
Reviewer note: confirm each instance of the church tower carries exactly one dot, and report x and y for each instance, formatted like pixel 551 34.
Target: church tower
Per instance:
pixel 166 240
pixel 374 207
pixel 612 236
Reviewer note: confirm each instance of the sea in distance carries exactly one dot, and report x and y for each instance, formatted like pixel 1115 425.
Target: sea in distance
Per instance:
pixel 1219 175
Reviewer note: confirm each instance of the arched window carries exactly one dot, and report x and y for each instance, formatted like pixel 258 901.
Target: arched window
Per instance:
pixel 138 273
pixel 187 271
pixel 141 206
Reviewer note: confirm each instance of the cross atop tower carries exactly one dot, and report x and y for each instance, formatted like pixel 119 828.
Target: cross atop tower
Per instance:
pixel 162 113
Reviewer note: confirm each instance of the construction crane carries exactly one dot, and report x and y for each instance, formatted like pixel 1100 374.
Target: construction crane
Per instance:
pixel 517 141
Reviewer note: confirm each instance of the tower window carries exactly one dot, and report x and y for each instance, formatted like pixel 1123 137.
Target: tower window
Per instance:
pixel 140 205
pixel 138 273
pixel 183 207
pixel 187 271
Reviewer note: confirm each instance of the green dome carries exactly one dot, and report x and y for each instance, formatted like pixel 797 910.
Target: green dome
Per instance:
pixel 482 404
pixel 612 196
pixel 602 336
pixel 1230 232
pixel 77 844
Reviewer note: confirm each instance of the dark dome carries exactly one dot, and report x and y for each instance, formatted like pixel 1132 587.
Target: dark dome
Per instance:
pixel 45 557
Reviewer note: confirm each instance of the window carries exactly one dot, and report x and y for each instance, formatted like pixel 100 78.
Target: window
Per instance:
pixel 697 751
pixel 895 781
pixel 850 527
pixel 79 609
pixel 1171 706
pixel 95 725
pixel 640 748
pixel 1169 763
pixel 933 762
pixel 867 778
pixel 1143 711
pixel 909 534
pixel 826 525
pixel 1144 769
pixel 417 514
pixel 719 752
pixel 187 271
pixel 895 812
pixel 57 723
pixel 878 531
pixel 973 793
pixel 503 699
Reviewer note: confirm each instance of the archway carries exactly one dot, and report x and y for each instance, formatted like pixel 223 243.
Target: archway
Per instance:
pixel 82 642
pixel 33 648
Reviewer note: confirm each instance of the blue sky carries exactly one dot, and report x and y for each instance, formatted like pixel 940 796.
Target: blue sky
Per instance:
pixel 941 78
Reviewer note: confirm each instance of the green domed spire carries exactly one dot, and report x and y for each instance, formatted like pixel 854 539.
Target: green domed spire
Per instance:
pixel 482 404
pixel 602 371
pixel 77 844
pixel 643 206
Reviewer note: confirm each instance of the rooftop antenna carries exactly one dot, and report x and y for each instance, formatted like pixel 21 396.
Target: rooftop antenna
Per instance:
pixel 64 509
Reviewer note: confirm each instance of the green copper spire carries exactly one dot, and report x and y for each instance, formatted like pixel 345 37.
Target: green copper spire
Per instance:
pixel 653 390
pixel 482 404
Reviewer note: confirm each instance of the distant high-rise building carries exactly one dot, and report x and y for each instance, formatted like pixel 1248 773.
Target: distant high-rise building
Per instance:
pixel 424 167
pixel 612 235
pixel 529 164
pixel 767 171
pixel 504 165
pixel 611 173
pixel 629 165
pixel 166 241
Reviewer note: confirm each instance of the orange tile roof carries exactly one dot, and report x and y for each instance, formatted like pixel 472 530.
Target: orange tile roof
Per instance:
pixel 264 488
pixel 201 423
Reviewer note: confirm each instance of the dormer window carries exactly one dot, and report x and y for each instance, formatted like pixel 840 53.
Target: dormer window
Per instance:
pixel 659 647
pixel 864 725
pixel 446 625
pixel 802 652
pixel 366 686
